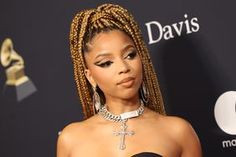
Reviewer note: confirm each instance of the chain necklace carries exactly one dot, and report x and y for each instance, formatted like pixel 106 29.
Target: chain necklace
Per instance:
pixel 123 118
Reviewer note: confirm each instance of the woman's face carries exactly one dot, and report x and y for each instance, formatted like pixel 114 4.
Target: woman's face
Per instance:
pixel 114 65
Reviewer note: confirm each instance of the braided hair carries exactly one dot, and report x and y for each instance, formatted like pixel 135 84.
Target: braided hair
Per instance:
pixel 85 25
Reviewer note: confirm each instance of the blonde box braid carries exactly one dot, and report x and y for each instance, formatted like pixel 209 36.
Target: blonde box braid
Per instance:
pixel 85 25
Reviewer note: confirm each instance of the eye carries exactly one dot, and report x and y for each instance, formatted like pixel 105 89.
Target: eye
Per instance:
pixel 104 64
pixel 131 55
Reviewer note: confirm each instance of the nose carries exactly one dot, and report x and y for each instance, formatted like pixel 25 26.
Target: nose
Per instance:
pixel 123 67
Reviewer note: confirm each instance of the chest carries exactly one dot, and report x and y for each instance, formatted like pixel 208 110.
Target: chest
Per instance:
pixel 109 142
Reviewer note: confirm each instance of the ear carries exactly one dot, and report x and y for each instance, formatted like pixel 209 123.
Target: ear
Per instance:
pixel 90 77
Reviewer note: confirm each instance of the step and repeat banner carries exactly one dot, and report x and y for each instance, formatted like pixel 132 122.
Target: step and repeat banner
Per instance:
pixel 192 47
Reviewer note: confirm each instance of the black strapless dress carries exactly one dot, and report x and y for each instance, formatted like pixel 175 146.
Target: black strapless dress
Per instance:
pixel 146 154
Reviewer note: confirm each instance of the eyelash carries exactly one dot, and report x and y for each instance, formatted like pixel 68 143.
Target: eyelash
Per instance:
pixel 105 64
pixel 130 56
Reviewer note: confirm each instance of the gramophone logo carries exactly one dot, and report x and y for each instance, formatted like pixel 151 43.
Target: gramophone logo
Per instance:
pixel 18 86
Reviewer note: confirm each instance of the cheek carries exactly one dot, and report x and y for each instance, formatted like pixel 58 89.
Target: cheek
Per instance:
pixel 102 77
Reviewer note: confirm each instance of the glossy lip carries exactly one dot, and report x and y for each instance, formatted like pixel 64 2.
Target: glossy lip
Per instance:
pixel 127 82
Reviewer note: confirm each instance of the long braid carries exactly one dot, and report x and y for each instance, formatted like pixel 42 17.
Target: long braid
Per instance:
pixel 107 17
pixel 78 29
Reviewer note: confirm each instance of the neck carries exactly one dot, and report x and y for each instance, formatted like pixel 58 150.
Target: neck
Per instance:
pixel 118 106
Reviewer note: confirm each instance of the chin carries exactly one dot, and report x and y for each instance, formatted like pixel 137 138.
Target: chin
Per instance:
pixel 128 95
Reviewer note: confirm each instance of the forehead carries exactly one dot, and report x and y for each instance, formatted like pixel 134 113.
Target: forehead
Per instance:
pixel 110 40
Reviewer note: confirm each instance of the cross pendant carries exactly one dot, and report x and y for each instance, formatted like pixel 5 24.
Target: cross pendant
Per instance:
pixel 122 133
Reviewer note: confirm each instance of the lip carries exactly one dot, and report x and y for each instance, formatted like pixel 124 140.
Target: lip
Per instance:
pixel 126 82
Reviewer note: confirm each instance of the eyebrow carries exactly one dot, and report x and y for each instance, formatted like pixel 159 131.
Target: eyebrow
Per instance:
pixel 103 54
pixel 126 47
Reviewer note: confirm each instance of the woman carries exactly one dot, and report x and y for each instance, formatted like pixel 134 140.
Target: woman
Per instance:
pixel 119 93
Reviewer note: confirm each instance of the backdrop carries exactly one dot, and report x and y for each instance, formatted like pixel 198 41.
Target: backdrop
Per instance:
pixel 191 43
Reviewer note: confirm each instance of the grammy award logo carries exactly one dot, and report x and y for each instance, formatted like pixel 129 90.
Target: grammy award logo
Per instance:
pixel 17 85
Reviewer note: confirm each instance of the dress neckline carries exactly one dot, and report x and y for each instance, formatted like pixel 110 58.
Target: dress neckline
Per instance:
pixel 146 154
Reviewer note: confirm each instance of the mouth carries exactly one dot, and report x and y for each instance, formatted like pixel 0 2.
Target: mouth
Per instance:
pixel 127 82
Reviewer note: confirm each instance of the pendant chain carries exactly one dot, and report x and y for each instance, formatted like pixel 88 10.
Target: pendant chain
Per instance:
pixel 123 118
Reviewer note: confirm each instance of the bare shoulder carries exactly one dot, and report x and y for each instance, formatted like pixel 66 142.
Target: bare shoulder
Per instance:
pixel 173 123
pixel 176 126
pixel 184 134
pixel 66 138
pixel 73 134
pixel 68 133
pixel 77 129
pixel 179 125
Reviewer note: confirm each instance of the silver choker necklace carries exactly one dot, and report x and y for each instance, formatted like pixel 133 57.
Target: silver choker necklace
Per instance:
pixel 123 118
pixel 120 117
